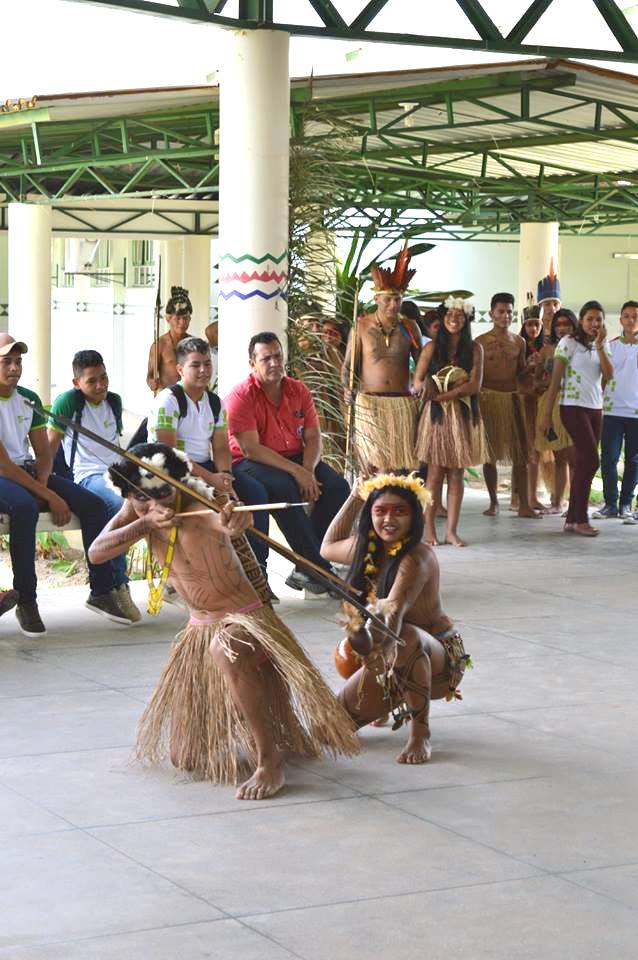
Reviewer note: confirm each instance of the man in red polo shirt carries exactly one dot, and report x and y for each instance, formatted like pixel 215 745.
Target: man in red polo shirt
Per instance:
pixel 274 437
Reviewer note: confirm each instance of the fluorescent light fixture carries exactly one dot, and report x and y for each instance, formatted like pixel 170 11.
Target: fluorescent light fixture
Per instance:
pixel 624 183
pixel 625 256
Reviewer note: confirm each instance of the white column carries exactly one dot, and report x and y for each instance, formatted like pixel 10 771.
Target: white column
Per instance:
pixel 197 280
pixel 30 291
pixel 172 254
pixel 253 195
pixel 538 245
pixel 321 270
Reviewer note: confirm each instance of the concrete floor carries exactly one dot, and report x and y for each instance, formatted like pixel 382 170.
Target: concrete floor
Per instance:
pixel 517 841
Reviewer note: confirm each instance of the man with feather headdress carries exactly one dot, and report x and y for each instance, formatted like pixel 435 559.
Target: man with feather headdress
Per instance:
pixel 378 353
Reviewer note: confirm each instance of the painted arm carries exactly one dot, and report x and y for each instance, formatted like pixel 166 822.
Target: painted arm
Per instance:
pixel 421 379
pixel 552 392
pixel 338 543
pixel 152 381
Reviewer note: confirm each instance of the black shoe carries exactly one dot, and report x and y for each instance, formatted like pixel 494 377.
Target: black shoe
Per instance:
pixel 108 606
pixel 297 580
pixel 29 620
pixel 8 600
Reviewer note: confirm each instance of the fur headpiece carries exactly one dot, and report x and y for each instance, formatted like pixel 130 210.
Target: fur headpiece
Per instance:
pixel 128 477
pixel 549 286
pixel 410 482
pixel 396 280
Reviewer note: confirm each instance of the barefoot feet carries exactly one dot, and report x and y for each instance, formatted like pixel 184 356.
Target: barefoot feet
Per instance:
pixel 455 540
pixel 381 721
pixel 416 750
pixel 492 510
pixel 266 781
pixel 528 514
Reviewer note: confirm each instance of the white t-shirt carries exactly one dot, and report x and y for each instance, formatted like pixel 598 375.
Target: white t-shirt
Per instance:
pixel 581 385
pixel 90 457
pixel 194 431
pixel 621 392
pixel 17 420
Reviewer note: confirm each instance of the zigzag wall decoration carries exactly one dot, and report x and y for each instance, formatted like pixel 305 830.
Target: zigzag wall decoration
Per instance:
pixel 245 282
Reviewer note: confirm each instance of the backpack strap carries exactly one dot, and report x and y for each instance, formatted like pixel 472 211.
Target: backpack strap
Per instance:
pixel 79 402
pixel 215 404
pixel 115 403
pixel 180 396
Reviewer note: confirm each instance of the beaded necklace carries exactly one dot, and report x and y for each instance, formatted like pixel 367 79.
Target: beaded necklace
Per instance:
pixel 156 593
pixel 387 335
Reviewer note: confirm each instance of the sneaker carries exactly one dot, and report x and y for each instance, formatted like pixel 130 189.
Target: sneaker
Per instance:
pixel 297 580
pixel 631 519
pixel 8 600
pixel 108 606
pixel 315 589
pixel 624 511
pixel 29 620
pixel 605 513
pixel 125 600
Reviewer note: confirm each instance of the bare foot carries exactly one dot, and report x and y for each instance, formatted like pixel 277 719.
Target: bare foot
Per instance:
pixel 492 510
pixel 537 505
pixel 416 750
pixel 455 540
pixel 381 721
pixel 441 512
pixel 433 542
pixel 528 514
pixel 266 781
pixel 585 530
pixel 554 509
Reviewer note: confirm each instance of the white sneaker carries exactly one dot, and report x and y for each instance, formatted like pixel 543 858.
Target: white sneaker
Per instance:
pixel 631 520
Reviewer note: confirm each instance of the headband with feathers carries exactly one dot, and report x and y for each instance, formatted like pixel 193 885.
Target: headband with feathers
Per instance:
pixel 549 286
pixel 396 280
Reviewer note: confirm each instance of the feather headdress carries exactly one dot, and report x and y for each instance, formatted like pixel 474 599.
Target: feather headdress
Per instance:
pixel 549 286
pixel 396 280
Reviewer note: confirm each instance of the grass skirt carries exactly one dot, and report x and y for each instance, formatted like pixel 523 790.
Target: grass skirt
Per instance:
pixel 452 442
pixel 192 717
pixel 385 432
pixel 564 440
pixel 503 416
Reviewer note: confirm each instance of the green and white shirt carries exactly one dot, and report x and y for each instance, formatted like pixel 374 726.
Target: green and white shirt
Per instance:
pixel 621 392
pixel 194 432
pixel 16 422
pixel 581 386
pixel 90 457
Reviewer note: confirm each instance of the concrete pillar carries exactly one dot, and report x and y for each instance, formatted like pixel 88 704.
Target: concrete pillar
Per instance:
pixel 321 270
pixel 197 280
pixel 172 254
pixel 253 195
pixel 30 291
pixel 537 246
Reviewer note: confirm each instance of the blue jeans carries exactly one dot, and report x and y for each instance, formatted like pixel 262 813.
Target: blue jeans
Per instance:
pixel 304 533
pixel 113 502
pixel 250 492
pixel 23 509
pixel 615 430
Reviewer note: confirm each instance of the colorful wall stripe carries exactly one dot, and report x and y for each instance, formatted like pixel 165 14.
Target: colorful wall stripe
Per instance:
pixel 238 276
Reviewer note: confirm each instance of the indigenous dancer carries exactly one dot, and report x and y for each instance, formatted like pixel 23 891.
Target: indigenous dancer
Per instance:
pixel 179 311
pixel 581 361
pixel 450 434
pixel 555 443
pixel 236 681
pixel 379 532
pixel 532 333
pixel 501 405
pixel 548 299
pixel 379 348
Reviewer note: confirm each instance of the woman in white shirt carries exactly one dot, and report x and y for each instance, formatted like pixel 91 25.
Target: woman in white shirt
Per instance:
pixel 581 361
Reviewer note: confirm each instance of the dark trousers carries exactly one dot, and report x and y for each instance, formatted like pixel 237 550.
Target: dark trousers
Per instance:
pixel 23 509
pixel 615 431
pixel 249 491
pixel 583 425
pixel 304 533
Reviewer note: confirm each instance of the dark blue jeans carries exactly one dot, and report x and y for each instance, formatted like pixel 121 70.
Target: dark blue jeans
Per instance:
pixel 615 431
pixel 23 509
pixel 304 533
pixel 250 492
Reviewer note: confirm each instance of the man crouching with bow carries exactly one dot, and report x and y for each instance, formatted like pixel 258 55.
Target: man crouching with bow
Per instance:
pixel 237 684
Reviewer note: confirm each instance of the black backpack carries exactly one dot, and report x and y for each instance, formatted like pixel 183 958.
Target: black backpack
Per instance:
pixel 60 467
pixel 141 434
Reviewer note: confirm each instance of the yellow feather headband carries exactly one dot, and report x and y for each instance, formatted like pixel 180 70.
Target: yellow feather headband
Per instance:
pixel 411 482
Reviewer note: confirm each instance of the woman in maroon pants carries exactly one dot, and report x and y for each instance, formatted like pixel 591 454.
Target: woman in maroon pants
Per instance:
pixel 581 362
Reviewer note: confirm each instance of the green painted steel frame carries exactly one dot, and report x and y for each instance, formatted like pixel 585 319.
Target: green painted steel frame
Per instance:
pixel 255 14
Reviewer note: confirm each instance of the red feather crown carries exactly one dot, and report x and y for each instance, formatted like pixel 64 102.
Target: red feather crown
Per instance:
pixel 396 280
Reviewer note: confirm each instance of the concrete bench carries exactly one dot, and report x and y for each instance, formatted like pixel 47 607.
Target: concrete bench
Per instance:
pixel 45 524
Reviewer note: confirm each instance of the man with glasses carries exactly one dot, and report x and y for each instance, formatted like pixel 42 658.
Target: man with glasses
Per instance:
pixel 275 439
